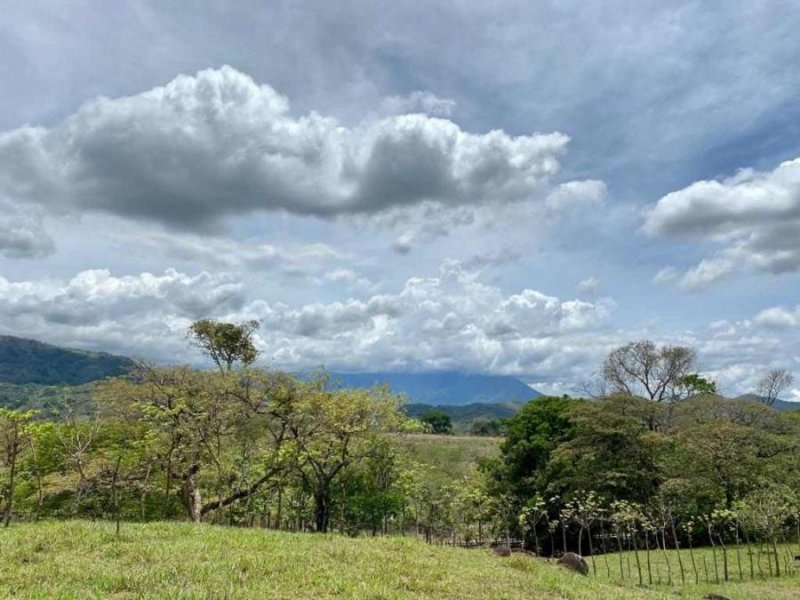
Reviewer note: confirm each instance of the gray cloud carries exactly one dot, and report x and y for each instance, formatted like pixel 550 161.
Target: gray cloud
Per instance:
pixel 754 217
pixel 217 144
pixel 22 235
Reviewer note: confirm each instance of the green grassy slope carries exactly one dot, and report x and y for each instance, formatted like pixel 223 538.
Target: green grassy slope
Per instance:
pixel 174 560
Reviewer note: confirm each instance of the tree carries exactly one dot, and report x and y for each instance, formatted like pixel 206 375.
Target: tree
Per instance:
pixel 773 384
pixel 225 343
pixel 612 450
pixel 694 383
pixel 489 427
pixel 643 369
pixel 330 431
pixel 533 434
pixel 767 511
pixel 197 423
pixel 14 434
pixel 438 421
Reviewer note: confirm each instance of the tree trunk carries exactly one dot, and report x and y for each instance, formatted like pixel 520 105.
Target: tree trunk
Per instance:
pixel 322 511
pixel 192 499
pixel 39 483
pixel 777 559
pixel 143 496
pixel 11 483
pixel 115 494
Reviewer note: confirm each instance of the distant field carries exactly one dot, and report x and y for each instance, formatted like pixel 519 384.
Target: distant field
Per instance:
pixel 75 559
pixel 450 457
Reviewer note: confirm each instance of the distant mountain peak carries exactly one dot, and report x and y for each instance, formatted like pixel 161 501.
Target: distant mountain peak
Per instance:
pixel 443 388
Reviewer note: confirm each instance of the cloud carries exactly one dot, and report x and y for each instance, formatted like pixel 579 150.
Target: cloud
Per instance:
pixel 448 321
pixel 737 353
pixel 227 254
pixel 707 272
pixel 753 217
pixel 779 317
pixel 418 102
pixel 576 194
pixel 22 235
pixel 430 220
pixel 590 285
pixel 217 144
pixel 451 320
pixel 665 275
pixel 144 314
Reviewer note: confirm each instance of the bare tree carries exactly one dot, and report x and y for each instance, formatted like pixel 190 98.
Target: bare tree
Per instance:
pixel 773 384
pixel 644 369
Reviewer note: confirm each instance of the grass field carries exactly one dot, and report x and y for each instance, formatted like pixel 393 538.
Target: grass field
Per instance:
pixel 699 565
pixel 78 559
pixel 450 457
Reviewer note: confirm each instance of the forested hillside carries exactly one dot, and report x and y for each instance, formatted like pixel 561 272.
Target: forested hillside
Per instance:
pixel 24 361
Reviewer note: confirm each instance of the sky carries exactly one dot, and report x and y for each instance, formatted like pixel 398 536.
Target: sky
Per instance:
pixel 499 187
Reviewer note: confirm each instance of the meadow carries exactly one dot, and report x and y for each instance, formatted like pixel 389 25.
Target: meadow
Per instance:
pixel 82 559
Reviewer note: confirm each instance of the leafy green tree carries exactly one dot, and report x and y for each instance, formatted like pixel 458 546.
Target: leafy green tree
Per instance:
pixel 438 421
pixel 331 431
pixel 694 383
pixel 197 422
pixel 14 436
pixel 533 434
pixel 225 343
pixel 612 451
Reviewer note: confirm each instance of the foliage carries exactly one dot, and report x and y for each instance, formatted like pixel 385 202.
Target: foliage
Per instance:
pixel 437 421
pixel 225 343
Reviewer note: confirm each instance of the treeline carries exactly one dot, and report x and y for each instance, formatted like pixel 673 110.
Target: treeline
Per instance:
pixel 626 473
pixel 239 447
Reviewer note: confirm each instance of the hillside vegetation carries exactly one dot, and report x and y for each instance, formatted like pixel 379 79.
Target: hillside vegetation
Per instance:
pixel 24 361
pixel 77 559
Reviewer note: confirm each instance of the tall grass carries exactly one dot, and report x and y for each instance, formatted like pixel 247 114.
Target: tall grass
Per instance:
pixel 77 559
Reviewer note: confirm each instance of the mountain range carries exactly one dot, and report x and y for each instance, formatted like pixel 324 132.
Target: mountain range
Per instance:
pixel 443 388
pixel 26 365
pixel 25 362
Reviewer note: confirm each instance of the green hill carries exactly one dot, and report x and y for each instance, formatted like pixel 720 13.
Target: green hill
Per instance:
pixel 24 361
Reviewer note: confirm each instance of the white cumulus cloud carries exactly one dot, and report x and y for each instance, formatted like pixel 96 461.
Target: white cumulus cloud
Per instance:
pixel 217 144
pixel 753 218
